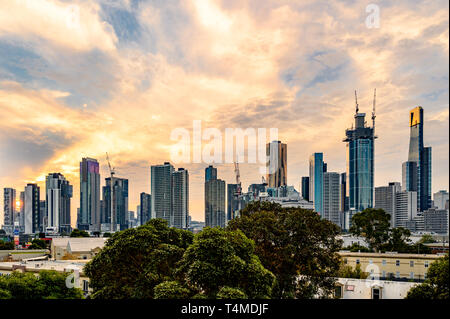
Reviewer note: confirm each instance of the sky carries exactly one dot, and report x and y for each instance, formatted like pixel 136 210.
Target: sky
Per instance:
pixel 82 78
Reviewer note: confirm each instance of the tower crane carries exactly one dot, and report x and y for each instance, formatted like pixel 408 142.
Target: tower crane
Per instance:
pixel 373 110
pixel 356 100
pixel 238 193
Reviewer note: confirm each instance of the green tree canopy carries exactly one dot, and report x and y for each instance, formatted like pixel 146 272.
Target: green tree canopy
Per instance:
pixel 171 290
pixel 135 260
pixel 79 233
pixel 6 245
pixel 221 258
pixel 436 286
pixel 374 225
pixel 38 244
pixel 48 285
pixel 398 240
pixel 296 245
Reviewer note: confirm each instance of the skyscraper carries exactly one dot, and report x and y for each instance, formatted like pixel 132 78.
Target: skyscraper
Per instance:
pixel 385 198
pixel 89 195
pixel 232 201
pixel 360 162
pixel 277 164
pixel 9 207
pixel 305 187
pixel 116 209
pixel 214 202
pixel 210 173
pixel 180 198
pixel 331 201
pixel 58 195
pixel 440 199
pixel 161 190
pixel 145 208
pixel 31 209
pixel 343 198
pixel 419 175
pixel 316 181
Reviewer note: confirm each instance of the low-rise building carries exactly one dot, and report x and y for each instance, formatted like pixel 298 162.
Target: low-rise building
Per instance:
pixel 76 248
pixel 349 288
pixel 393 266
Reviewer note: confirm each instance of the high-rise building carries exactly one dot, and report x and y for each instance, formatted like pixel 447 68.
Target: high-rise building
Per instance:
pixel 277 164
pixel 232 201
pixel 385 199
pixel 90 218
pixel 42 215
pixel 215 203
pixel 22 212
pixel 436 220
pixel 360 163
pixel 405 208
pixel 418 176
pixel 161 190
pixel 316 181
pixel 31 209
pixel 440 199
pixel 305 188
pixel 180 198
pixel 331 190
pixel 343 198
pixel 145 208
pixel 58 195
pixel 9 206
pixel 210 173
pixel 116 210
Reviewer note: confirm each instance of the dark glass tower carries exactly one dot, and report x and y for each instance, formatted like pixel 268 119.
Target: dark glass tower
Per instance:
pixel 89 195
pixel 416 172
pixel 305 187
pixel 360 163
pixel 316 181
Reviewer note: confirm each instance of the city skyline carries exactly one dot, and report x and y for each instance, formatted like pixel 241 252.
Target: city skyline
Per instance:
pixel 293 66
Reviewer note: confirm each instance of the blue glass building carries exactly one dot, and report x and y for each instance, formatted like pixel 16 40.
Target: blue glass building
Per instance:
pixel 316 169
pixel 360 164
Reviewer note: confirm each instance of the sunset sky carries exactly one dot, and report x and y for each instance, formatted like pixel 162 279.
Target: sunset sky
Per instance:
pixel 82 78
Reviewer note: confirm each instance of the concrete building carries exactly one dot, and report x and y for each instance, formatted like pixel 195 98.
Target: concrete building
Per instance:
pixel 90 210
pixel 385 199
pixel 161 190
pixel 145 207
pixel 405 208
pixel 277 164
pixel 31 209
pixel 349 288
pixel 331 190
pixel 440 199
pixel 9 209
pixel 76 248
pixel 180 198
pixel 436 220
pixel 116 210
pixel 215 203
pixel 58 195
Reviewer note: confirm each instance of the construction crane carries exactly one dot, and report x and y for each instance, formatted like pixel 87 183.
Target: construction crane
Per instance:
pixel 238 177
pixel 238 192
pixel 111 172
pixel 356 100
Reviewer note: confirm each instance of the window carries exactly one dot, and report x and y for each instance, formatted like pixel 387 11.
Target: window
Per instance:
pixel 397 274
pixel 85 285
pixel 426 264
pixel 411 263
pixel 370 261
pixel 411 275
pixel 397 262
pixel 384 274
pixel 376 293
pixel 425 276
pixel 357 261
pixel 384 262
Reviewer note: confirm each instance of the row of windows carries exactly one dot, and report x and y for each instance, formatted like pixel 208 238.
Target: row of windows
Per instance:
pixel 397 262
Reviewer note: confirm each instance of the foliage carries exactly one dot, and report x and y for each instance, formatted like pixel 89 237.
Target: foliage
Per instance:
pixel 355 247
pixel 171 290
pixel 221 258
pixel 347 271
pixel 48 285
pixel 295 244
pixel 427 239
pixel 38 244
pixel 135 260
pixel 107 235
pixel 6 245
pixel 436 286
pixel 79 233
pixel 373 224
pixel 231 293
pixel 398 240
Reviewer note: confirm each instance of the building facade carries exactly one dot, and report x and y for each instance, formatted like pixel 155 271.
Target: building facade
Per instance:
pixel 58 193
pixel 161 190
pixel 116 208
pixel 90 218
pixel 31 208
pixel 180 198
pixel 331 192
pixel 316 181
pixel 145 208
pixel 9 207
pixel 440 199
pixel 305 188
pixel 385 199
pixel 215 203
pixel 277 164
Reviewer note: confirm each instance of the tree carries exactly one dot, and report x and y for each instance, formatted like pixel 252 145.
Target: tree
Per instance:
pixel 347 271
pixel 171 290
pixel 48 285
pixel 436 286
pixel 427 239
pixel 107 235
pixel 221 258
pixel 355 247
pixel 38 244
pixel 79 233
pixel 373 224
pixel 296 245
pixel 135 260
pixel 399 240
pixel 231 293
pixel 6 245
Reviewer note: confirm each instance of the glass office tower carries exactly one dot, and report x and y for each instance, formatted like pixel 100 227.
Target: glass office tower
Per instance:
pixel 316 181
pixel 89 195
pixel 416 173
pixel 360 163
